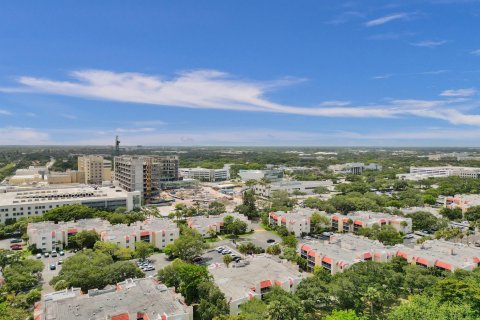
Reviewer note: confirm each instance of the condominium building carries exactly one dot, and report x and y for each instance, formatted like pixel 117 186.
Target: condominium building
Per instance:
pixel 202 174
pixel 366 219
pixel 211 225
pixel 304 187
pixel 296 221
pixel 95 168
pixel 341 251
pixel 441 254
pixel 27 202
pixel 145 173
pixel 420 173
pixel 242 282
pixel 70 176
pixel 47 235
pixel 462 201
pixel 132 299
pixel 353 168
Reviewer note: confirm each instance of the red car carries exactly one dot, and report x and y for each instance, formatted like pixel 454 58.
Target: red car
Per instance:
pixel 16 246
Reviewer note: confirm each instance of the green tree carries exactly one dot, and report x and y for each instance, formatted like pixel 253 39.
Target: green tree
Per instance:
pixel 282 305
pixel 143 249
pixel 274 249
pixel 185 277
pixel 280 201
pixel 212 301
pixel 290 241
pixel 216 208
pixel 344 315
pixel 84 239
pixel 319 222
pixel 227 259
pixel 189 245
pixel 422 220
pixel 451 214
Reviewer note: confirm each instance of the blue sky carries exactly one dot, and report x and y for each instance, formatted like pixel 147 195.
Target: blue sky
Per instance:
pixel 313 72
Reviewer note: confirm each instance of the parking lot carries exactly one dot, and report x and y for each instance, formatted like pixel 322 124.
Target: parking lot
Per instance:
pixel 48 274
pixel 158 261
pixel 212 256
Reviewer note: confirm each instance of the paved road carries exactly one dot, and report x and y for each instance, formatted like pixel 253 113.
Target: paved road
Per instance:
pixel 48 274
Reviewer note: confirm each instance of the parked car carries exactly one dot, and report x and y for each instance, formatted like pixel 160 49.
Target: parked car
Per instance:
pixel 409 236
pixel 53 267
pixel 39 255
pixel 54 254
pixel 16 246
pixel 16 240
pixel 46 254
pixel 220 249
pixel 60 262
pixel 62 253
pixel 270 241
pixel 237 259
pixel 197 259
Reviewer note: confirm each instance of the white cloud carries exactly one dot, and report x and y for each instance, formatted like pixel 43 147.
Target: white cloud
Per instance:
pixel 467 92
pixel 5 112
pixel 335 103
pixel 30 114
pixel 22 136
pixel 429 43
pixel 69 116
pixel 210 89
pixel 476 52
pixel 386 19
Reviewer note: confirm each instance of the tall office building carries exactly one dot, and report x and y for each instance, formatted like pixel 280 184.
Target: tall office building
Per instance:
pixel 96 168
pixel 145 173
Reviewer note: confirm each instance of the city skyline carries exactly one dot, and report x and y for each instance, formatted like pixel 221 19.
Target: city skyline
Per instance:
pixel 352 73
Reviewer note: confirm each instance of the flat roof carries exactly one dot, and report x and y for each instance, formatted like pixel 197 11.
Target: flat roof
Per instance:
pixel 18 196
pixel 130 297
pixel 236 282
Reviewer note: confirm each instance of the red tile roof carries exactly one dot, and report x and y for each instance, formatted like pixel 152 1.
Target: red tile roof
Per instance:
pixel 265 284
pixel 443 265
pixel 123 316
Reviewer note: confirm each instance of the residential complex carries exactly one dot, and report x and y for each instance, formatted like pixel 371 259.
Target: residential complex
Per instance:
pixel 243 282
pixel 145 173
pixel 27 202
pixel 441 254
pixel 342 251
pixel 366 219
pixel 211 225
pixel 304 187
pixel 96 169
pixel 47 235
pixel 296 221
pixel 353 168
pixel 268 174
pixel 462 201
pixel 133 299
pixel 420 173
pixel 202 174
pixel 67 177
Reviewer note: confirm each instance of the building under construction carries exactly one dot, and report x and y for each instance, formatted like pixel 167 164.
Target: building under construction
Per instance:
pixel 145 173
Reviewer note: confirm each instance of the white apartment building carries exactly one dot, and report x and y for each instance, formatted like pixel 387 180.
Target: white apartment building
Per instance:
pixel 27 202
pixel 202 174
pixel 420 173
pixel 307 187
pixel 366 219
pixel 441 254
pixel 47 235
pixel 145 173
pixel 158 232
pixel 212 225
pixel 341 251
pixel 296 221
pixel 353 168
pixel 242 282
pixel 96 168
pixel 132 299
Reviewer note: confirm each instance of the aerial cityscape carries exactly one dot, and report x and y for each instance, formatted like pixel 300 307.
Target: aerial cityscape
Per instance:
pixel 240 160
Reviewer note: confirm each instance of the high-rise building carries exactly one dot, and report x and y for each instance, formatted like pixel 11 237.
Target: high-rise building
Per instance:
pixel 145 173
pixel 96 168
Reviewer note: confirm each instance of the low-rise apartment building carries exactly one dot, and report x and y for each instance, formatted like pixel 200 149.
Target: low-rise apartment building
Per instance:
pixel 420 173
pixel 242 282
pixel 304 187
pixel 48 236
pixel 366 219
pixel 342 251
pixel 132 299
pixel 211 225
pixel 202 174
pixel 296 221
pixel 462 201
pixel 28 202
pixel 441 254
